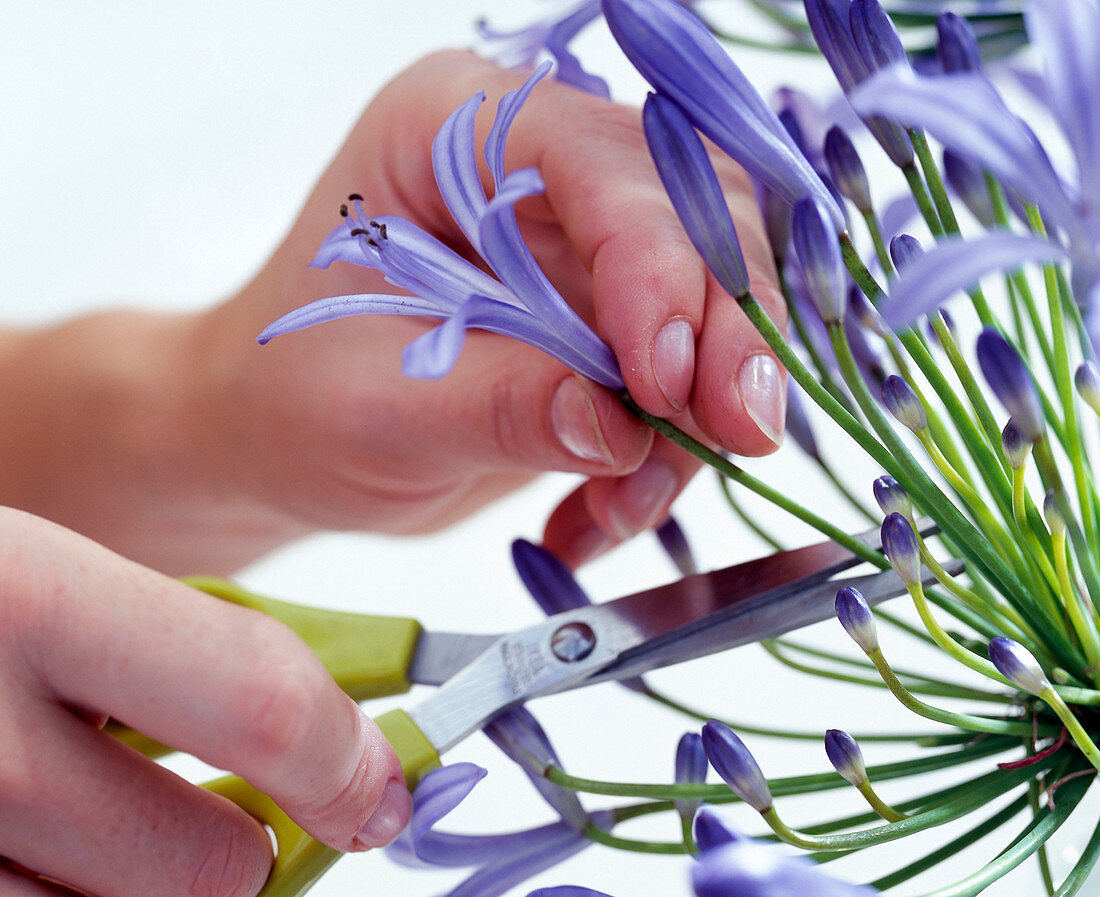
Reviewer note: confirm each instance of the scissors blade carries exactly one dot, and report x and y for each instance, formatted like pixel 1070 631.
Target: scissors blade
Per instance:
pixel 639 632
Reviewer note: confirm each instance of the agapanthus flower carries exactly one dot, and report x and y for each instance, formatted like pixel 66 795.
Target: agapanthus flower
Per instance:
pixel 552 34
pixel 1011 382
pixel 690 769
pixel 956 44
pixel 819 255
pixel 730 864
pixel 1018 665
pixel 845 755
pixel 522 303
pixel 964 111
pixel 736 765
pixel 678 55
pixel 502 861
pixel 854 614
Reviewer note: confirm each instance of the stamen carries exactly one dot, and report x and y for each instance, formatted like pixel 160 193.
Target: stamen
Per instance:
pixel 354 197
pixel 343 210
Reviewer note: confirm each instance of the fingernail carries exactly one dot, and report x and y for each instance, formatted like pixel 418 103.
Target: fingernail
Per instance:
pixel 389 817
pixel 641 499
pixel 763 396
pixel 674 361
pixel 573 417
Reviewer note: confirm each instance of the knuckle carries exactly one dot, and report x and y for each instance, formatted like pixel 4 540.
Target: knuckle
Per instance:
pixel 511 429
pixel 232 862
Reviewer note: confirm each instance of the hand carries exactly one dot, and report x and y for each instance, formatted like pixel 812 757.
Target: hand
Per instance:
pixel 84 634
pixel 337 437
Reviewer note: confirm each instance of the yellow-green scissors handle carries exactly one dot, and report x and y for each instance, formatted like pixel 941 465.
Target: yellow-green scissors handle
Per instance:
pixel 301 860
pixel 368 656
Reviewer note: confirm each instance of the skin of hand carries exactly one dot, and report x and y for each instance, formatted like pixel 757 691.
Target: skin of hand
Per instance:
pixel 211 450
pixel 229 685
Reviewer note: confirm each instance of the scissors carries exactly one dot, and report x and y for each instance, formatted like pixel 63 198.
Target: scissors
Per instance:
pixel 481 675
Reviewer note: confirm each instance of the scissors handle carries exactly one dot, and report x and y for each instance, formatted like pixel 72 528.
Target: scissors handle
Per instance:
pixel 301 860
pixel 368 656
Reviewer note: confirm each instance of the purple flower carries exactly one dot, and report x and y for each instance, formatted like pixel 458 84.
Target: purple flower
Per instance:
pixel 955 264
pixel 903 404
pixel 691 769
pixel 846 757
pixel 678 55
pixel 899 543
pixel 1018 665
pixel 674 541
pixel 846 168
pixel 711 830
pixel 957 45
pixel 552 33
pixel 748 868
pixel 503 860
pixel 819 254
pixel 522 303
pixel 1015 446
pixel 891 498
pixel 692 185
pixel 736 765
pixel 1087 381
pixel 831 22
pixel 518 734
pixel 567 891
pixel 855 616
pixel 904 250
pixel 968 182
pixel 1011 382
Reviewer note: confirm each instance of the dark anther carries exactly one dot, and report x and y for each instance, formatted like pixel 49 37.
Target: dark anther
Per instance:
pixel 381 228
pixel 358 231
pixel 343 210
pixel 354 197
pixel 370 242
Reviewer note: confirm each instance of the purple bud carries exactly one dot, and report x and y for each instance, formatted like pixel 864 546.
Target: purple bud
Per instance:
pixel 675 543
pixel 1087 379
pixel 865 313
pixel 902 402
pixel 957 45
pixel 689 179
pixel 846 168
pixel 691 769
pixel 855 616
pixel 899 542
pixel 1015 447
pixel 1056 522
pixel 876 38
pixel 968 182
pixel 548 580
pixel 904 249
pixel 1017 665
pixel 846 757
pixel 891 498
pixel 737 767
pixel 1011 382
pixel 676 53
pixel 816 244
pixel 711 830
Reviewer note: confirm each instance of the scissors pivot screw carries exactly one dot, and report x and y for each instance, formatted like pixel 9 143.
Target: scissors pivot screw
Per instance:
pixel 573 642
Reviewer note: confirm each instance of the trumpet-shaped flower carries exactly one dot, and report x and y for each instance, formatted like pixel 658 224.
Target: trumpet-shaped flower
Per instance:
pixel 551 33
pixel 520 302
pixel 678 55
pixel 502 861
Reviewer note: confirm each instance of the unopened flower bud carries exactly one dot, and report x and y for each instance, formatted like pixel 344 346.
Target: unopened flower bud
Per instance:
pixel 691 769
pixel 968 182
pixel 676 546
pixel 904 250
pixel 899 542
pixel 957 45
pixel 736 765
pixel 891 497
pixel 1018 665
pixel 711 831
pixel 902 402
pixel 1087 379
pixel 1056 523
pixel 847 169
pixel 846 757
pixel 855 616
pixel 815 242
pixel 549 581
pixel 1015 447
pixel 1011 382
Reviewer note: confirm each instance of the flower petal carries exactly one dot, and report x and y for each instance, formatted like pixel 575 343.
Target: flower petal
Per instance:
pixel 345 306
pixel 509 105
pixel 930 279
pixel 439 792
pixel 454 161
pixel 433 354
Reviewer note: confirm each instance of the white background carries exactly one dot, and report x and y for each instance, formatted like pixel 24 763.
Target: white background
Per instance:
pixel 153 154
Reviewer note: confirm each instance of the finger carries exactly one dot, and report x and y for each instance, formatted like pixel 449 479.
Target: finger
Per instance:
pixel 121 824
pixel 605 511
pixel 20 883
pixel 229 685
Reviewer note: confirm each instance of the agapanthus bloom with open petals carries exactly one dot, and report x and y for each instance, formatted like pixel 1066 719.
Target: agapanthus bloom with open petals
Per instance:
pixel 965 112
pixel 520 302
